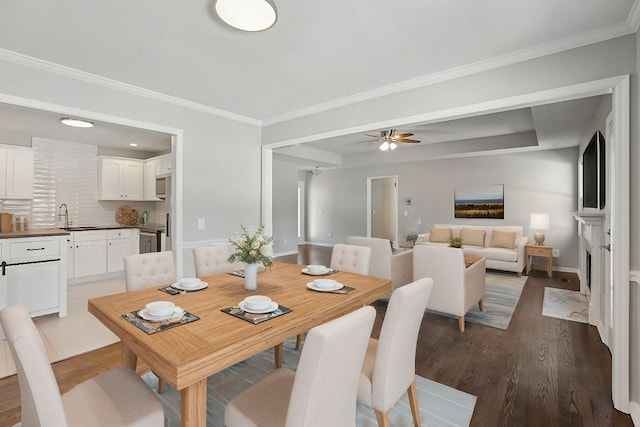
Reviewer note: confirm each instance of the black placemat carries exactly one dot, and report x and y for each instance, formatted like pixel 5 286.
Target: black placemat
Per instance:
pixel 343 290
pixel 255 318
pixel 153 327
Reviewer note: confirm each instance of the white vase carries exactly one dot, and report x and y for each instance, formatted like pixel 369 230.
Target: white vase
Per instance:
pixel 251 277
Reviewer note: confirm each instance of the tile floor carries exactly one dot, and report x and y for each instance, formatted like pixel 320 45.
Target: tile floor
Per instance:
pixel 77 333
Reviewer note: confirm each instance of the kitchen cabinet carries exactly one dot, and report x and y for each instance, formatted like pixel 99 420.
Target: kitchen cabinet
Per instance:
pixel 34 273
pixel 163 165
pixel 150 180
pixel 121 243
pixel 16 172
pixel 120 179
pixel 89 253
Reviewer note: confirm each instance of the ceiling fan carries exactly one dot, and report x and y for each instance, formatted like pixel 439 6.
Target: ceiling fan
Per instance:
pixel 390 139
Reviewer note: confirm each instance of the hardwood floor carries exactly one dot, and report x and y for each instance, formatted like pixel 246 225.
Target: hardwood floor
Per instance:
pixel 541 371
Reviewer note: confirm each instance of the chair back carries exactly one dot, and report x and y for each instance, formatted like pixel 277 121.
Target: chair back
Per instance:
pixel 395 360
pixel 350 258
pixel 212 259
pixel 39 392
pixel 380 265
pixel 151 269
pixel 326 382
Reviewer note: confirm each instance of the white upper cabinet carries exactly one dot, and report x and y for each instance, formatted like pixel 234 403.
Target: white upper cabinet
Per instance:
pixel 120 179
pixel 163 165
pixel 16 172
pixel 150 180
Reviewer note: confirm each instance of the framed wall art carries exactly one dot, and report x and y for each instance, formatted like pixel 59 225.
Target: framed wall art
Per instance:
pixel 479 201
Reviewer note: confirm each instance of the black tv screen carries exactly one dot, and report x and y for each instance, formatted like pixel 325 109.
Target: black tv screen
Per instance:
pixel 593 173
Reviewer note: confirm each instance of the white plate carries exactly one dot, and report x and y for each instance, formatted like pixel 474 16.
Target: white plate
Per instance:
pixel 313 286
pixel 202 285
pixel 314 273
pixel 177 313
pixel 273 306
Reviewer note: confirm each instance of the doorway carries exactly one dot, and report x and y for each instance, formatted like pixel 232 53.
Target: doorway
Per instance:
pixel 382 208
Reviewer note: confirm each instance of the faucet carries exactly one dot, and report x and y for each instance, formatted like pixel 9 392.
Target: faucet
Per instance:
pixel 65 214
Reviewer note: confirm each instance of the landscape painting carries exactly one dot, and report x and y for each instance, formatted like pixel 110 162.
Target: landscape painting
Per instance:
pixel 479 201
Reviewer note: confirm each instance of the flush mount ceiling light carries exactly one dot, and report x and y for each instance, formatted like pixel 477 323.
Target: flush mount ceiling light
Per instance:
pixel 78 123
pixel 133 144
pixel 388 146
pixel 247 15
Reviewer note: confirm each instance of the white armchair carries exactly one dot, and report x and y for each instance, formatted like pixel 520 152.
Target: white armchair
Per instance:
pixel 456 288
pixel 384 263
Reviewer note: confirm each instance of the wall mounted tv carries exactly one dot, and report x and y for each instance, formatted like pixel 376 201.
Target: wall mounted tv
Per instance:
pixel 593 173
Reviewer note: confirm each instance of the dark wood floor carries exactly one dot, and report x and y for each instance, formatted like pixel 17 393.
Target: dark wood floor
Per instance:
pixel 541 371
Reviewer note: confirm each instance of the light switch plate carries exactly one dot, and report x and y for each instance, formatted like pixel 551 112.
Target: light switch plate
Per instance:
pixel 201 224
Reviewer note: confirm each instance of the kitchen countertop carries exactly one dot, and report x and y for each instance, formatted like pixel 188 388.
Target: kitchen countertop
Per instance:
pixel 42 232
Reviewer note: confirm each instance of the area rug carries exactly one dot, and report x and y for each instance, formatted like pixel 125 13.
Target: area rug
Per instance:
pixel 565 304
pixel 439 405
pixel 500 301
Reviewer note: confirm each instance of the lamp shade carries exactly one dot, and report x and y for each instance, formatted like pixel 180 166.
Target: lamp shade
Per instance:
pixel 247 15
pixel 539 221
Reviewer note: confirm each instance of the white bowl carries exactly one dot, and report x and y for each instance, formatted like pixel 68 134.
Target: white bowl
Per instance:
pixel 316 268
pixel 160 308
pixel 257 302
pixel 325 283
pixel 190 282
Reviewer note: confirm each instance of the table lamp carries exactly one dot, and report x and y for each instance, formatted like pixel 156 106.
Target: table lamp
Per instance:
pixel 539 222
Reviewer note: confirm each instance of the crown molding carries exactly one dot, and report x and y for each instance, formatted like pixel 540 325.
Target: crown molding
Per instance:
pixel 633 20
pixel 561 45
pixel 50 67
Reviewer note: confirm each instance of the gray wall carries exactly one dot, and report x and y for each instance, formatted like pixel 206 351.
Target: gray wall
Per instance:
pixel 543 181
pixel 285 207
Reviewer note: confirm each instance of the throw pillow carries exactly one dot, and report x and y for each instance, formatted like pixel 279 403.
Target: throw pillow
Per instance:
pixel 440 235
pixel 503 239
pixel 472 237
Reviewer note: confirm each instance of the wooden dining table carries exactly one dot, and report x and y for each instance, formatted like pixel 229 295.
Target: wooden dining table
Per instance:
pixel 185 355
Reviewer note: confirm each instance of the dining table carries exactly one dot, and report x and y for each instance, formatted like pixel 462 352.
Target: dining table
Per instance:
pixel 187 354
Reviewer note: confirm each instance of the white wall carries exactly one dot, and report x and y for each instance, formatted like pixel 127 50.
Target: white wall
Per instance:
pixel 221 169
pixel 543 181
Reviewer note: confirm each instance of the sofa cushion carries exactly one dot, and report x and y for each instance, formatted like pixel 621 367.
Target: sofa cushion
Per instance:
pixel 473 250
pixel 499 254
pixel 440 235
pixel 503 239
pixel 472 237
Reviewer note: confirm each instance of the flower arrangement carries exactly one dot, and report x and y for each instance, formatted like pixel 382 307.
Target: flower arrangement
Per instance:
pixel 455 242
pixel 252 248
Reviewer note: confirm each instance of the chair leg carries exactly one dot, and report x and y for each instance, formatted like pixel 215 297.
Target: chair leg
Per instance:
pixel 461 323
pixel 383 419
pixel 298 342
pixel 413 402
pixel 160 385
pixel 277 353
pixel 481 304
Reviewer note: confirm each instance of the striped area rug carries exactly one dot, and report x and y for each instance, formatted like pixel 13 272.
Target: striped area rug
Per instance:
pixel 501 298
pixel 440 405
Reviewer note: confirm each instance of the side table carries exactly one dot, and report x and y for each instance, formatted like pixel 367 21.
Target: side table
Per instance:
pixel 531 249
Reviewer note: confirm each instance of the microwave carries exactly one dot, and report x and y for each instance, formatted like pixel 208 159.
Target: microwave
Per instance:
pixel 161 188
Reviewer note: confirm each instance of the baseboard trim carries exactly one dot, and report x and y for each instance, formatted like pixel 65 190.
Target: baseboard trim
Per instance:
pixel 326 245
pixel 199 243
pixel 566 270
pixel 285 253
pixel 634 411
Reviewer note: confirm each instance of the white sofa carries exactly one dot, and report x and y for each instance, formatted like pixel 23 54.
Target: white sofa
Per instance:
pixel 498 255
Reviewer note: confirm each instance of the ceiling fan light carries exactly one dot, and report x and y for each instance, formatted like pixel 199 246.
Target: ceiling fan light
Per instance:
pixel 384 146
pixel 393 146
pixel 247 15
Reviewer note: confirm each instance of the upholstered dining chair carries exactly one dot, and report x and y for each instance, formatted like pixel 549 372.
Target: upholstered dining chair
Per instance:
pixel 117 397
pixel 212 259
pixel 146 270
pixel 389 368
pixel 322 392
pixel 351 258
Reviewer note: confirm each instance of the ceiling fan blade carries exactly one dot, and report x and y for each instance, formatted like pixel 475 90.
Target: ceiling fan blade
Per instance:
pixel 413 141
pixel 403 135
pixel 373 136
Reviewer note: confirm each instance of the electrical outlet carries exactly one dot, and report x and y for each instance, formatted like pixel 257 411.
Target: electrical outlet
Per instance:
pixel 555 253
pixel 201 224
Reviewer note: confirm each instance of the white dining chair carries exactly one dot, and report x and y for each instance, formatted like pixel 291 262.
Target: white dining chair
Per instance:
pixel 212 259
pixel 322 391
pixel 146 270
pixel 118 397
pixel 351 258
pixel 389 368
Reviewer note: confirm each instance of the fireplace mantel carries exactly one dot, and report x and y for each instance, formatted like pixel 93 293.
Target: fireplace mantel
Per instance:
pixel 589 218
